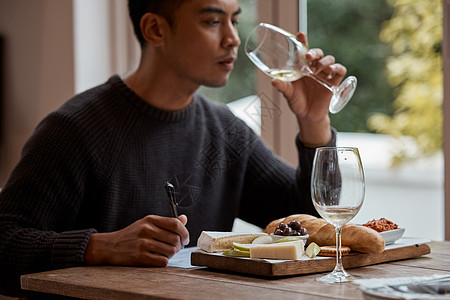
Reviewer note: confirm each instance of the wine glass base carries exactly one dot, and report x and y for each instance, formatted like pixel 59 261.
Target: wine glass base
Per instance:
pixel 343 94
pixel 336 277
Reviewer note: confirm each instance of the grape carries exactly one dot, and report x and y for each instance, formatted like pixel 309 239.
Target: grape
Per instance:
pixel 295 225
pixel 278 231
pixel 288 231
pixel 282 226
pixel 294 228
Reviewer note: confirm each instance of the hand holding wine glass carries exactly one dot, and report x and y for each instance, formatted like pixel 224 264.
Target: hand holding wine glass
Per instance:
pixel 337 190
pixel 280 55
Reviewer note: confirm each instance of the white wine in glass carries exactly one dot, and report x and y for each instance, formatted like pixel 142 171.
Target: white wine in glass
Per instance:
pixel 337 190
pixel 280 55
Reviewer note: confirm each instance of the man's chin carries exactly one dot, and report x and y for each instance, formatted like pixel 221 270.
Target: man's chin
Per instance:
pixel 215 83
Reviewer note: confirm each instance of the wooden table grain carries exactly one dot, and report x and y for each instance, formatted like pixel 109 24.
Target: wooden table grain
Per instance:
pixel 111 282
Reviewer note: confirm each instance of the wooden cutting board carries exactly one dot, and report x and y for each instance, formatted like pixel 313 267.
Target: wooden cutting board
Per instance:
pixel 402 250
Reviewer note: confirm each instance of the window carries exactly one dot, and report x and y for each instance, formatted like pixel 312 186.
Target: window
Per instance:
pixel 415 186
pixel 381 55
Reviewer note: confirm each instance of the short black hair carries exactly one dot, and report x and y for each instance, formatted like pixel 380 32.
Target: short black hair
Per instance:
pixel 164 8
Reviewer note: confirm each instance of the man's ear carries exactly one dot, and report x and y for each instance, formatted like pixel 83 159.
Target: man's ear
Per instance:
pixel 153 28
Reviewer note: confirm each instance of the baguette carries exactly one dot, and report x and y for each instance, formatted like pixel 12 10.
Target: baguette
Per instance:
pixel 357 237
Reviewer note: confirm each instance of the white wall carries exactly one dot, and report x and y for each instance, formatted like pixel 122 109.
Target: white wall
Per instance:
pixel 411 195
pixel 92 41
pixel 104 42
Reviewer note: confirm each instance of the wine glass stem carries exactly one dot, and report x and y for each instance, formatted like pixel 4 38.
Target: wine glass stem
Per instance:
pixel 339 267
pixel 329 86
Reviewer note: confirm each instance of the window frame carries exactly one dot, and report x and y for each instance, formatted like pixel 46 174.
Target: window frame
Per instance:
pixel 278 130
pixel 446 112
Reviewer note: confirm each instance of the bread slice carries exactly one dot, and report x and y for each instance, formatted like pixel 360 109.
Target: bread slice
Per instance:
pixel 212 241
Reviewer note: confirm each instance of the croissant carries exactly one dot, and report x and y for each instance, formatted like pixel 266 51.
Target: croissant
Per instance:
pixel 357 237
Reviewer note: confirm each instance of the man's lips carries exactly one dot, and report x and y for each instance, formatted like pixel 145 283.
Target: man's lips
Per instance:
pixel 228 62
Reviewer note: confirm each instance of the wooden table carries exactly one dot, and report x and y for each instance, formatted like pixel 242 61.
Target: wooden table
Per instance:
pixel 109 282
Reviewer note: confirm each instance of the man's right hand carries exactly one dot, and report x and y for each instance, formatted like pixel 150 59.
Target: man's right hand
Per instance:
pixel 150 241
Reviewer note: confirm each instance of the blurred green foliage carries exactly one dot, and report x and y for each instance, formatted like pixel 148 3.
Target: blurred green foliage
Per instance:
pixel 349 30
pixel 415 70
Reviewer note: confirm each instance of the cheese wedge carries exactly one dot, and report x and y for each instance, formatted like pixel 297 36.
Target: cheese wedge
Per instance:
pixel 212 241
pixel 288 250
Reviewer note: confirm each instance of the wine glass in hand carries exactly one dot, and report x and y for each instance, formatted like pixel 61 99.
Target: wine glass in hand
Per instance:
pixel 280 55
pixel 337 190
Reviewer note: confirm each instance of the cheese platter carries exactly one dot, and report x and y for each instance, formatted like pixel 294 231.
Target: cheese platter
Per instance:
pixel 402 249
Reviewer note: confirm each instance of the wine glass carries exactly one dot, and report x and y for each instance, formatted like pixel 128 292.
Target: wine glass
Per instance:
pixel 280 55
pixel 337 190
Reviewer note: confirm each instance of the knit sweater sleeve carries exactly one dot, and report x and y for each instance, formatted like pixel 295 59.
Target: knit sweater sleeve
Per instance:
pixel 274 189
pixel 39 203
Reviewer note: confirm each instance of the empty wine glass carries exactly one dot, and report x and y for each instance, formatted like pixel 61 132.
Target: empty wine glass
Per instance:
pixel 280 55
pixel 337 190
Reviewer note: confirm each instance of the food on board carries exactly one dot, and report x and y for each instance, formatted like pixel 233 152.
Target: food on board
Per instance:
pixel 312 250
pixel 288 250
pixel 381 225
pixel 292 228
pixel 264 239
pixel 357 237
pixel 253 245
pixel 212 241
pixel 287 239
pixel 331 250
pixel 236 253
pixel 319 233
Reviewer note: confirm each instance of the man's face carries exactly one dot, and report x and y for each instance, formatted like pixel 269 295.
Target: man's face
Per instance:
pixel 203 42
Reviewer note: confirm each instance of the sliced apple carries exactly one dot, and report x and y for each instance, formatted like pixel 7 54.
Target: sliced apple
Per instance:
pixel 263 239
pixel 242 247
pixel 312 250
pixel 288 239
pixel 236 253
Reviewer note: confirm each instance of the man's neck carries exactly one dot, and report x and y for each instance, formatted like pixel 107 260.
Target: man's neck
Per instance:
pixel 161 91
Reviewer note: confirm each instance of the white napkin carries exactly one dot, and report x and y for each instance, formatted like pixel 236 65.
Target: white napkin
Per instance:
pixel 380 287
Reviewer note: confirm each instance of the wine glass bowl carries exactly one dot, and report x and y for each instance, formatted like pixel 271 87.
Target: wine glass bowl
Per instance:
pixel 337 191
pixel 280 55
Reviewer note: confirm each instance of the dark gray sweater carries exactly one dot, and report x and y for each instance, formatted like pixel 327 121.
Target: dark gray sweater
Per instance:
pixel 99 163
